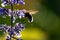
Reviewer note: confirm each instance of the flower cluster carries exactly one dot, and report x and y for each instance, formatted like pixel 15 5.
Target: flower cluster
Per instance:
pixel 6 2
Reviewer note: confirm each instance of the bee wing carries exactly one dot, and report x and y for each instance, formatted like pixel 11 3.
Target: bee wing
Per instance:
pixel 32 12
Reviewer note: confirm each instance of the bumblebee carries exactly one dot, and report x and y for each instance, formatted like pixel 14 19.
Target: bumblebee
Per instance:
pixel 28 14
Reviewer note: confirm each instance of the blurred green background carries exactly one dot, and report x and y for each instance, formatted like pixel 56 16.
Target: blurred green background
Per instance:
pixel 46 25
